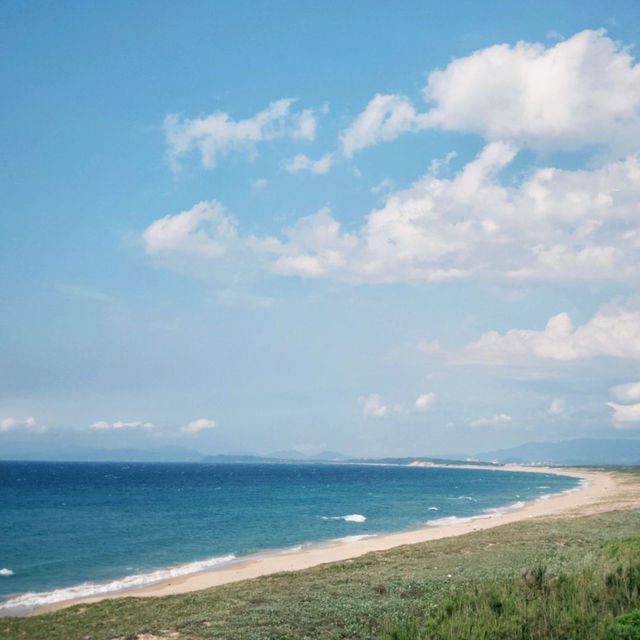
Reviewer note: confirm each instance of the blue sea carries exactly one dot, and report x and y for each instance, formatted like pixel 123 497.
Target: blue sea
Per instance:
pixel 79 529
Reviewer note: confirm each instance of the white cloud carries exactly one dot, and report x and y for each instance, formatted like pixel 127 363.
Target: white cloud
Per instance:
pixel 627 393
pixel 425 401
pixel 204 230
pixel 625 415
pixel 7 424
pixel 195 426
pixel 303 163
pixel 218 134
pixel 30 424
pixel 556 225
pixel 101 424
pixel 583 90
pixel 372 406
pixel 119 424
pixel 315 247
pixel 557 407
pixel 304 125
pixel 384 185
pixel 611 332
pixel 384 118
pixel 500 418
pixel 260 183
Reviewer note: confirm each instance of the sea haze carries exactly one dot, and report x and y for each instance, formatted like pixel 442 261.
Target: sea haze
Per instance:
pixel 127 524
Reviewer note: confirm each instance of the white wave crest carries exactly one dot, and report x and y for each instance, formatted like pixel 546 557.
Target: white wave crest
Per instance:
pixel 433 509
pixel 28 601
pixel 353 517
pixel 6 572
pixel 445 522
pixel 363 536
pixel 499 511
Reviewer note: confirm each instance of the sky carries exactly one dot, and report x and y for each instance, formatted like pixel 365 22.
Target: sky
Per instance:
pixel 374 229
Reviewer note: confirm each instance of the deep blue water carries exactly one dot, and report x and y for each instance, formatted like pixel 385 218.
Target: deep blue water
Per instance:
pixel 62 524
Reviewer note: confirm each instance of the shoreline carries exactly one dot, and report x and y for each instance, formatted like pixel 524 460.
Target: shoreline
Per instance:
pixel 599 489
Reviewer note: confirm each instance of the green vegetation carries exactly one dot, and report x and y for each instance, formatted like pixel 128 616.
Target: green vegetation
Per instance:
pixel 570 578
pixel 538 604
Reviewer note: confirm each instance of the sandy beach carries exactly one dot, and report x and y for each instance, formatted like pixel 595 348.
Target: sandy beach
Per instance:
pixel 602 491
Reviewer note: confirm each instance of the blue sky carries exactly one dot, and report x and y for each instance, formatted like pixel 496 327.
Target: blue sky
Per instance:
pixel 251 227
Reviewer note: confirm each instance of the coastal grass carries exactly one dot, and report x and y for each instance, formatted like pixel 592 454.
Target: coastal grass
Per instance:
pixel 592 603
pixel 566 578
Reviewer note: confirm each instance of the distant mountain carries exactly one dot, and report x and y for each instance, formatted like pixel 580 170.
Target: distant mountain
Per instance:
pixel 292 454
pixel 287 454
pixel 582 451
pixel 275 457
pixel 225 458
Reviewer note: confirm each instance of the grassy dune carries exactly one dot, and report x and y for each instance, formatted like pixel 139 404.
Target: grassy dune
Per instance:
pixel 429 590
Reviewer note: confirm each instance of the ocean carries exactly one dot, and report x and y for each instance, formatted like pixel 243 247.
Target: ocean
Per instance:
pixel 79 529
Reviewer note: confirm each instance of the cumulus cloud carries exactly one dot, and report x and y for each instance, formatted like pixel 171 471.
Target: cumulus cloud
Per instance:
pixel 556 225
pixel 583 90
pixel 626 412
pixel 195 426
pixel 611 332
pixel 30 424
pixel 119 424
pixel 557 407
pixel 7 424
pixel 303 163
pixel 500 418
pixel 304 125
pixel 205 230
pixel 625 416
pixel 218 134
pixel 384 118
pixel 383 186
pixel 425 401
pixel 627 393
pixel 372 406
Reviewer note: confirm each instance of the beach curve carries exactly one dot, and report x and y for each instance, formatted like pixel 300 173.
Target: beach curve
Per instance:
pixel 600 491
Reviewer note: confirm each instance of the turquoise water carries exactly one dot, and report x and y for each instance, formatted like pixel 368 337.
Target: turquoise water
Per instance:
pixel 76 529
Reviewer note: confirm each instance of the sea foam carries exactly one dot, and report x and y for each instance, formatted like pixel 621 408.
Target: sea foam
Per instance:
pixel 6 572
pixel 29 601
pixel 363 536
pixel 353 517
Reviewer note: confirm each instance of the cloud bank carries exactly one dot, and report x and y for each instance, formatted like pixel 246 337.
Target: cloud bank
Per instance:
pixel 13 424
pixel 557 225
pixel 103 425
pixel 196 426
pixel 611 332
